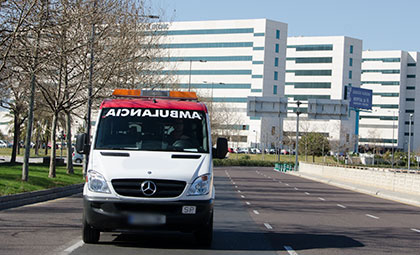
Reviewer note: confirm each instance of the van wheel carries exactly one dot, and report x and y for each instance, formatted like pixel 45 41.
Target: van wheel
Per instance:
pixel 90 235
pixel 204 236
pixel 78 161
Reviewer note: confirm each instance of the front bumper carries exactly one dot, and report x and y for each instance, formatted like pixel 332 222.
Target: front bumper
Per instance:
pixel 114 215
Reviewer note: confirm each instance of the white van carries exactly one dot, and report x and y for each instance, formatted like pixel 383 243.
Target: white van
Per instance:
pixel 150 166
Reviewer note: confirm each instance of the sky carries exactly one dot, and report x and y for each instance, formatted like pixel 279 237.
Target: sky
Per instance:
pixel 381 24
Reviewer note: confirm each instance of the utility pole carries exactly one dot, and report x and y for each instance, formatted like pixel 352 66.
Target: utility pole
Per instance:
pixel 409 141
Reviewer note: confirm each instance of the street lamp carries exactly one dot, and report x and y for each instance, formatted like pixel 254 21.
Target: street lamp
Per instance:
pixel 256 135
pixel 189 78
pixel 298 103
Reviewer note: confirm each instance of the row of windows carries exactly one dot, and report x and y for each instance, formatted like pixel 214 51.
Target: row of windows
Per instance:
pixel 258 48
pixel 207 45
pixel 208 58
pixel 310 85
pixel 200 72
pixel 386 106
pixel 256 90
pixel 257 62
pixel 310 72
pixel 377 140
pixel 217 86
pixel 235 127
pixel 209 31
pixel 406 134
pixel 257 76
pixel 311 60
pixel 384 83
pixel 259 34
pixel 386 94
pixel 379 117
pixel 382 59
pixel 307 97
pixel 382 71
pixel 318 47
pixel 230 99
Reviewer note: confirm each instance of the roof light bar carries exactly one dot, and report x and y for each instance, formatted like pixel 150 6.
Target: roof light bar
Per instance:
pixel 181 95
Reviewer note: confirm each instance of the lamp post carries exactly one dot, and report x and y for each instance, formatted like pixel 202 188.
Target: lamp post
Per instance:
pixel 189 77
pixel 409 140
pixel 298 103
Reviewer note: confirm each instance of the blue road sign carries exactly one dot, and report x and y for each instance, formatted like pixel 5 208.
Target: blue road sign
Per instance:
pixel 360 98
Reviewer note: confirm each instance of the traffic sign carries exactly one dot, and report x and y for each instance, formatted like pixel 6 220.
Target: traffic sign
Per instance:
pixel 267 107
pixel 360 98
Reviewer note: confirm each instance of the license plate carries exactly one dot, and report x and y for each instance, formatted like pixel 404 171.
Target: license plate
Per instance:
pixel 146 219
pixel 188 209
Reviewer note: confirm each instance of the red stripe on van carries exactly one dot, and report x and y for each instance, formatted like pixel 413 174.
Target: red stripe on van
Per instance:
pixel 159 104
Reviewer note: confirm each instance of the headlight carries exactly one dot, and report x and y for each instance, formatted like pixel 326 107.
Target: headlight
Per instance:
pixel 200 186
pixel 96 182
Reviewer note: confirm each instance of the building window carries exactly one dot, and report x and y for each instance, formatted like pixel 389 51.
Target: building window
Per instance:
pixel 350 62
pixel 275 89
pixel 311 47
pixel 276 76
pixel 273 130
pixel 277 34
pixel 277 48
pixel 351 49
pixel 276 61
pixel 411 76
pixel 350 75
pixel 411 64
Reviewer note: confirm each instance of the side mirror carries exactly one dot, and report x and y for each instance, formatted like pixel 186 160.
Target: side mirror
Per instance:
pixel 221 148
pixel 82 144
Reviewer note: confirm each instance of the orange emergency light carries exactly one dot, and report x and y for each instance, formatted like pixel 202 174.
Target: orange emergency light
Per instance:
pixel 180 95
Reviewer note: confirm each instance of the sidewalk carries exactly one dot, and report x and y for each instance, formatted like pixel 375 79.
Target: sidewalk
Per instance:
pixel 406 198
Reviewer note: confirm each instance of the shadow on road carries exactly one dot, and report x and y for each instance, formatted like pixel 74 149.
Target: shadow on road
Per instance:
pixel 240 241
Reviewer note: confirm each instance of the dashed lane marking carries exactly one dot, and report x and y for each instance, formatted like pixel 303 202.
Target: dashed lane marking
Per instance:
pixel 342 206
pixel 268 226
pixel 415 230
pixel 256 212
pixel 248 203
pixel 322 199
pixel 239 191
pixel 73 247
pixel 290 250
pixel 296 188
pixel 307 193
pixel 372 216
pixel 242 196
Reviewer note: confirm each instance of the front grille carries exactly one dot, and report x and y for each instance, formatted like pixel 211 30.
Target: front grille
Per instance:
pixel 132 187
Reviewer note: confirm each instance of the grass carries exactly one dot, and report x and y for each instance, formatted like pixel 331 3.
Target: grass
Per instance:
pixel 8 152
pixel 11 175
pixel 283 158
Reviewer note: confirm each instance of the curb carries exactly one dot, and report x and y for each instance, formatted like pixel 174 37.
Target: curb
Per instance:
pixel 369 191
pixel 32 197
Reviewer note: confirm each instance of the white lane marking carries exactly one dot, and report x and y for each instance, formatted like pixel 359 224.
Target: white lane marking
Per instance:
pixel 74 247
pixel 287 184
pixel 415 230
pixel 372 216
pixel 307 193
pixel 248 203
pixel 236 186
pixel 268 226
pixel 256 212
pixel 242 196
pixel 239 191
pixel 296 188
pixel 342 206
pixel 280 182
pixel 290 250
pixel 322 199
pixel 233 183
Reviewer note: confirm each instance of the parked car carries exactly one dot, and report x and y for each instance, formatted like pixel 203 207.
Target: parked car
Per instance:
pixel 243 150
pixel 77 158
pixel 3 144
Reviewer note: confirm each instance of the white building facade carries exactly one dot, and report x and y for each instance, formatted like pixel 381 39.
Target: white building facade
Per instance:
pixel 320 68
pixel 393 77
pixel 229 60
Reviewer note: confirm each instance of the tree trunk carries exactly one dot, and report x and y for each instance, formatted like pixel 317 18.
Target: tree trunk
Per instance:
pixel 16 132
pixel 46 144
pixel 70 169
pixel 53 144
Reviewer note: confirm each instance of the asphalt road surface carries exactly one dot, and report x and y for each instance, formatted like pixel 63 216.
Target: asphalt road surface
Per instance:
pixel 257 211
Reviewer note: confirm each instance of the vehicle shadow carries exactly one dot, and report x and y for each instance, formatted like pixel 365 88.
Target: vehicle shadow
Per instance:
pixel 238 241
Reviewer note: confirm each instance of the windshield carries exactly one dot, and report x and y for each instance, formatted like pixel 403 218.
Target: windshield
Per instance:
pixel 152 130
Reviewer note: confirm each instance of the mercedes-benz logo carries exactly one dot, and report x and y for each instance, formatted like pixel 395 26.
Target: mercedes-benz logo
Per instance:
pixel 148 188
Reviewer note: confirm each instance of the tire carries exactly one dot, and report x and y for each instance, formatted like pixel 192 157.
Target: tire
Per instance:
pixel 78 161
pixel 90 235
pixel 204 236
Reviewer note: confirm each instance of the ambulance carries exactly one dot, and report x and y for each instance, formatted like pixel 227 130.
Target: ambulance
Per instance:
pixel 150 166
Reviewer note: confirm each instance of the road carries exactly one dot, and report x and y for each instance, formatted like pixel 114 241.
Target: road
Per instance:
pixel 257 211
